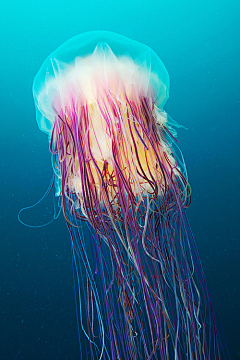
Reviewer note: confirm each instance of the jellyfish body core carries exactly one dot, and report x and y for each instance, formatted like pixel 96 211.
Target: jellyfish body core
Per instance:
pixel 141 291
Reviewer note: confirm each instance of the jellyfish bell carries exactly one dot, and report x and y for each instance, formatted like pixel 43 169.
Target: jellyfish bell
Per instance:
pixel 102 53
pixel 141 291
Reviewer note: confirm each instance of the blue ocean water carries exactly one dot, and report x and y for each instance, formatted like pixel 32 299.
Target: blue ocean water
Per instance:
pixel 198 41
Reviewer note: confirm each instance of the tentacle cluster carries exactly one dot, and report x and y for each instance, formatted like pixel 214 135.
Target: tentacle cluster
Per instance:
pixel 140 287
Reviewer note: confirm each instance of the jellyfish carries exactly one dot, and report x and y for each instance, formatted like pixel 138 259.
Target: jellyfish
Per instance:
pixel 139 285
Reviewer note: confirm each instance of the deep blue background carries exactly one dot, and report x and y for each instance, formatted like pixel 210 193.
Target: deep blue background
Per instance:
pixel 198 42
